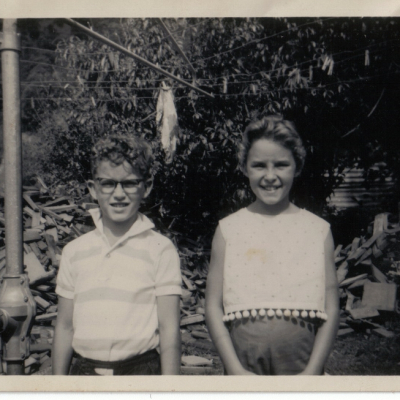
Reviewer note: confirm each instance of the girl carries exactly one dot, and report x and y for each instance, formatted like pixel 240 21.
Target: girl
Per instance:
pixel 272 304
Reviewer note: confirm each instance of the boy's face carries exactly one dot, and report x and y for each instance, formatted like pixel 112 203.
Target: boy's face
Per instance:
pixel 119 206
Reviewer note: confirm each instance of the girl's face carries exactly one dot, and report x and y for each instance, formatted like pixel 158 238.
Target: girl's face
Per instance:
pixel 271 169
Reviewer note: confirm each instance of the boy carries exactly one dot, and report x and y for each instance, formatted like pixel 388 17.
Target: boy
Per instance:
pixel 119 285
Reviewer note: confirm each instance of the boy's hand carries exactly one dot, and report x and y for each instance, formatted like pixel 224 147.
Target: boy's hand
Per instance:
pixel 62 345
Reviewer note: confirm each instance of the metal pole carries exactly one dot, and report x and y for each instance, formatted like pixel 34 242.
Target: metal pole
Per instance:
pixel 116 46
pixel 12 146
pixel 12 158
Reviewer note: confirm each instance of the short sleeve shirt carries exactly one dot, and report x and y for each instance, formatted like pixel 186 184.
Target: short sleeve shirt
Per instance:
pixel 114 289
pixel 274 262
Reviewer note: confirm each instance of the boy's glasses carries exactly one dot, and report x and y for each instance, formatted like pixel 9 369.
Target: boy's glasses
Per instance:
pixel 107 186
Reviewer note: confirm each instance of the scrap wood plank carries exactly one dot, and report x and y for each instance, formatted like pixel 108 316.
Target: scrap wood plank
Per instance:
pixel 42 245
pixel 40 347
pixel 30 361
pixel 31 235
pixel 195 361
pixel 66 217
pixel 364 312
pixel 373 239
pixel 55 201
pixel 188 284
pixel 382 241
pixel 68 207
pixel 337 250
pixel 380 222
pixel 200 335
pixel 36 219
pixel 42 302
pixel 355 255
pixel 355 244
pixel 378 275
pixel 35 248
pixel 193 319
pixel 364 256
pixel 46 317
pixel 51 232
pixel 383 332
pixel 64 229
pixel 353 279
pixel 50 213
pixel 28 211
pixel 50 221
pixel 52 248
pixel 349 301
pixel 34 268
pixel 358 283
pixel 47 276
pixel 28 199
pixel 345 332
pixel 381 296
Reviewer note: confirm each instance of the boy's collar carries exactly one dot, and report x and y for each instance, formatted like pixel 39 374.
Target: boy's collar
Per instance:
pixel 141 224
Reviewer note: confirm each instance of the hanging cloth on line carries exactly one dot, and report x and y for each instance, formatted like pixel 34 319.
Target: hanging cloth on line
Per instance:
pixel 167 122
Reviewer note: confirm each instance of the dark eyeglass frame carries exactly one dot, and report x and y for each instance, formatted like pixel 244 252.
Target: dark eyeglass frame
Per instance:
pixel 124 184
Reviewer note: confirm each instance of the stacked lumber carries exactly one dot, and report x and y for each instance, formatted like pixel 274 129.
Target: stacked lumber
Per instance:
pixel 368 272
pixel 194 332
pixel 49 223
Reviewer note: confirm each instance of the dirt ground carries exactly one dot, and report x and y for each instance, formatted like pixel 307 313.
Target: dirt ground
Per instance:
pixel 359 353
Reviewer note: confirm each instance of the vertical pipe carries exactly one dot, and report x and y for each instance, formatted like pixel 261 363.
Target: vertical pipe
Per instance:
pixel 12 158
pixel 12 147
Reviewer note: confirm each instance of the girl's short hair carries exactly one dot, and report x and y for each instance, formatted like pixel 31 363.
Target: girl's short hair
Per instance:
pixel 120 148
pixel 277 129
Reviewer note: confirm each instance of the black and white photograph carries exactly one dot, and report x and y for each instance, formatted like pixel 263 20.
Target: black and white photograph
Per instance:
pixel 200 195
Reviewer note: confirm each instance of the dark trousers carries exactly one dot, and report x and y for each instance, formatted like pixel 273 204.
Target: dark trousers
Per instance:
pixel 143 364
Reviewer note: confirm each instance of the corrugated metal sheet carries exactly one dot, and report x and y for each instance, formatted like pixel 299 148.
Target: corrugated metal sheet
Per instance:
pixel 354 192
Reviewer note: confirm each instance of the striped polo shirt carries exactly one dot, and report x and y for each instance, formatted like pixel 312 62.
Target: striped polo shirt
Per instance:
pixel 114 289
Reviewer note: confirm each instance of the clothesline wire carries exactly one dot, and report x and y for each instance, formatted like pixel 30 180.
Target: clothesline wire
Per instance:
pixel 362 53
pixel 216 94
pixel 257 81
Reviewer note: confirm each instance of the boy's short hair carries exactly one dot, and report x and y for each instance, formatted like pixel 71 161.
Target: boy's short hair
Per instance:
pixel 120 148
pixel 277 129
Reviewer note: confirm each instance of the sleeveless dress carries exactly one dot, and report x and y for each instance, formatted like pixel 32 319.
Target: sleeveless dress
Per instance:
pixel 274 287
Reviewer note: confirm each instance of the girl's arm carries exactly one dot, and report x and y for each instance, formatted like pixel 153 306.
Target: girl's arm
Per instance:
pixel 62 346
pixel 170 336
pixel 214 309
pixel 327 332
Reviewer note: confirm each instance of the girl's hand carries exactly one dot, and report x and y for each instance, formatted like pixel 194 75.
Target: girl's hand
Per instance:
pixel 242 371
pixel 308 371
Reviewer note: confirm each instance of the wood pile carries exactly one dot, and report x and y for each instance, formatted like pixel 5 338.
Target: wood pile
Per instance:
pixel 368 271
pixel 49 222
pixel 194 331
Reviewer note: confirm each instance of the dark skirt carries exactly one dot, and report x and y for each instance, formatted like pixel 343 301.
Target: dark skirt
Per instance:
pixel 273 346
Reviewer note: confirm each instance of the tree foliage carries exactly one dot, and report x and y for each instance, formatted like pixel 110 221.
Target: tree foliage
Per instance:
pixel 337 78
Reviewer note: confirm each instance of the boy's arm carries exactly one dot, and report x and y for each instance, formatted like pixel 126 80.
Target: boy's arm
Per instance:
pixel 327 332
pixel 62 346
pixel 170 337
pixel 214 309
